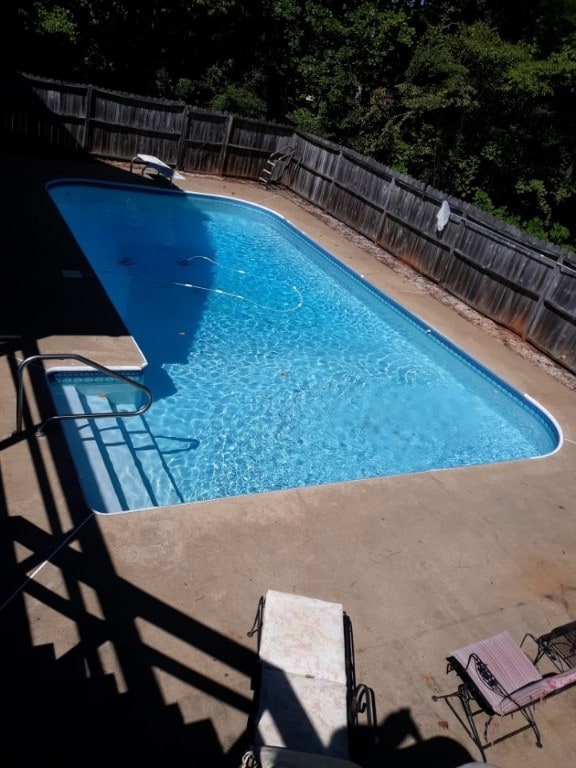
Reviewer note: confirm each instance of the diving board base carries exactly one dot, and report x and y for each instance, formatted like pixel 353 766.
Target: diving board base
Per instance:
pixel 153 163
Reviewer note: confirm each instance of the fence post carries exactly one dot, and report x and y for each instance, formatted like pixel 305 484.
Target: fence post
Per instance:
pixel 224 150
pixel 181 148
pixel 454 229
pixel 334 175
pixel 87 133
pixel 382 224
pixel 547 290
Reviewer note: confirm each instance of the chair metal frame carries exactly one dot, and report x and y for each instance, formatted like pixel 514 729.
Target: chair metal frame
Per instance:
pixel 558 646
pixel 474 704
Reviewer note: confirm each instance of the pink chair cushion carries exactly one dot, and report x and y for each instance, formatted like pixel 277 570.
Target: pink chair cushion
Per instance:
pixel 505 660
pixel 513 670
pixel 535 692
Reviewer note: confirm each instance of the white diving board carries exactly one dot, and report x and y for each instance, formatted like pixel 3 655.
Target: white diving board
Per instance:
pixel 153 163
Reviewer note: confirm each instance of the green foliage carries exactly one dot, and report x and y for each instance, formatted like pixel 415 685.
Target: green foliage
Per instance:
pixel 341 53
pixel 472 97
pixel 535 226
pixel 240 100
pixel 307 121
pixel 534 192
pixel 476 112
pixel 56 20
pixel 482 200
pixel 183 89
pixel 557 234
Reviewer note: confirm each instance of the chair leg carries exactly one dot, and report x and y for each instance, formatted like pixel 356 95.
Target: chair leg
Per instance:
pixel 465 697
pixel 529 715
pixel 539 642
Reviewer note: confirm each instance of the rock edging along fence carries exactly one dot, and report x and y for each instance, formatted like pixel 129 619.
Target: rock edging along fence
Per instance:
pixel 520 282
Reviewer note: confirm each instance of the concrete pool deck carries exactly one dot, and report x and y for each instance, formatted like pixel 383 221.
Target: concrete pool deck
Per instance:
pixel 129 632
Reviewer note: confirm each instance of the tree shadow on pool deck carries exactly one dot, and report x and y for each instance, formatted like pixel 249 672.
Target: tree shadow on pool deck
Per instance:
pixel 39 251
pixel 40 256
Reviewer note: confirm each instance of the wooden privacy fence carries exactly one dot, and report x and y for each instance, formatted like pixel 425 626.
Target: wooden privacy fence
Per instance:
pixel 522 283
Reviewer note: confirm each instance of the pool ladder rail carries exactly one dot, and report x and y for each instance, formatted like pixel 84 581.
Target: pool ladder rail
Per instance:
pixel 41 430
pixel 278 163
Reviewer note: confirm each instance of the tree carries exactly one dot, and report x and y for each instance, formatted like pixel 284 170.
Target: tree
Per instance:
pixel 342 52
pixel 476 116
pixel 474 97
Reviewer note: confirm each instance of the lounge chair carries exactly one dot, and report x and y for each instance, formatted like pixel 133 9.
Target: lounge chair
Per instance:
pixel 498 679
pixel 306 693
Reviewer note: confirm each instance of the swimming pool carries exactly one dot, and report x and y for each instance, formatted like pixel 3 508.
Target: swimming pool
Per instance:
pixel 272 365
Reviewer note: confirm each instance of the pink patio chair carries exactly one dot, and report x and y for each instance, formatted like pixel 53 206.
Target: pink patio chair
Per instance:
pixel 498 679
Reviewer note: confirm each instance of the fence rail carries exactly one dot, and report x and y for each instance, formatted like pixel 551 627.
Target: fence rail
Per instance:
pixel 522 283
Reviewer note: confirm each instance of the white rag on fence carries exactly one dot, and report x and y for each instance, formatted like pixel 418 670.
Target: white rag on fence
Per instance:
pixel 443 216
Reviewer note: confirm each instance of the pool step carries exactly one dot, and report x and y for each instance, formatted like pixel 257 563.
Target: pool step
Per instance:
pixel 118 461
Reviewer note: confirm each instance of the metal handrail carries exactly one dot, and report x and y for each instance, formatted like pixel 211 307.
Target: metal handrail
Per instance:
pixel 60 417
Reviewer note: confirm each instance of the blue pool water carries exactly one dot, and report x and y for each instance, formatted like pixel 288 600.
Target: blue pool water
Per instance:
pixel 272 365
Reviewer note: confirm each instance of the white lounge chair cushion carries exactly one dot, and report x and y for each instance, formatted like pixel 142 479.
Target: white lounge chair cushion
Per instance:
pixel 302 713
pixel 303 636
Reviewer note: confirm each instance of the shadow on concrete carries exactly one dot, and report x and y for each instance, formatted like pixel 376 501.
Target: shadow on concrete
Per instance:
pixel 65 704
pixel 397 743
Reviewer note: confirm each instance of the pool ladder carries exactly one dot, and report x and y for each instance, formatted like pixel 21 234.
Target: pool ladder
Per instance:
pixel 277 164
pixel 40 431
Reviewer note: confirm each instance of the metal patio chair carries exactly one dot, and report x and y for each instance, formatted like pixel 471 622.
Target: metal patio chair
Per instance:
pixel 498 679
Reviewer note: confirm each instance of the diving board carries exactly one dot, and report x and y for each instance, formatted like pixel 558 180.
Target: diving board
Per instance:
pixel 150 162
